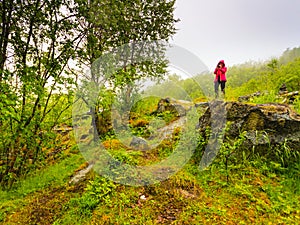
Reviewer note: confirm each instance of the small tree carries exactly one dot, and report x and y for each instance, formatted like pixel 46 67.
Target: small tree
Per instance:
pixel 112 25
pixel 37 43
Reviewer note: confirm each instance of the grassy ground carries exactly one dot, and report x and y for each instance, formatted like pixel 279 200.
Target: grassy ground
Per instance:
pixel 254 191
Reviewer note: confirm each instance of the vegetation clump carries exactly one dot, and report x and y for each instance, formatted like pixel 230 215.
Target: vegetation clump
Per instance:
pixel 252 179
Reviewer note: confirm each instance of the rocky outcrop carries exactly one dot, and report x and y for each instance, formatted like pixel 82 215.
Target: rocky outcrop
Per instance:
pixel 264 126
pixel 178 107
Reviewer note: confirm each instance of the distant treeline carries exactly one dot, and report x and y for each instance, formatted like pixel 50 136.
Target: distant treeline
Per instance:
pixel 243 79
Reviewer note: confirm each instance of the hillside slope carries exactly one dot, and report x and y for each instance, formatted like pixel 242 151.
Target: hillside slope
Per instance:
pixel 251 187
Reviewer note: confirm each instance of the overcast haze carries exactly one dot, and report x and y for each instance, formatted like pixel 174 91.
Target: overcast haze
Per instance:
pixel 237 30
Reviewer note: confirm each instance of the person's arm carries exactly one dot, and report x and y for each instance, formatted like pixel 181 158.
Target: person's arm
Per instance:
pixel 224 69
pixel 216 70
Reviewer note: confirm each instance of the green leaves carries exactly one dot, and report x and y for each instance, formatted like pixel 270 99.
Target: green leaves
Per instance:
pixel 39 44
pixel 45 44
pixel 98 191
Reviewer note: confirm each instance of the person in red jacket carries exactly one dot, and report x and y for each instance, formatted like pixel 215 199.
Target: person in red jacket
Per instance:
pixel 220 78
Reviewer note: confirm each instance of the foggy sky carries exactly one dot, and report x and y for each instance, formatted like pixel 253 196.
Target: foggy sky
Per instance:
pixel 237 30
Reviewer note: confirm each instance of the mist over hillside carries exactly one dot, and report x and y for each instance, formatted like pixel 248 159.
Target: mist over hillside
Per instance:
pixel 243 79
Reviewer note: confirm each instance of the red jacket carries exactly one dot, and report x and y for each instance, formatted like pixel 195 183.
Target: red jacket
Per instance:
pixel 220 72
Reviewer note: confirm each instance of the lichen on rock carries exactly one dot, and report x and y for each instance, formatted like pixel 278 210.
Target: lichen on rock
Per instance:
pixel 265 125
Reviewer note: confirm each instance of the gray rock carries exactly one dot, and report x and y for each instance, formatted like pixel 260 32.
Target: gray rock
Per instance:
pixel 139 143
pixel 264 125
pixel 202 105
pixel 248 97
pixel 81 175
pixel 179 107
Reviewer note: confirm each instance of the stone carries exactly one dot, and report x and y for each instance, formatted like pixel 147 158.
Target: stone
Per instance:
pixel 81 175
pixel 179 107
pixel 202 105
pixel 283 89
pixel 248 97
pixel 264 125
pixel 139 143
pixel 289 97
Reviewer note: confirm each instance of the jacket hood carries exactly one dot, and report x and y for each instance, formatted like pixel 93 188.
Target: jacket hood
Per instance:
pixel 222 61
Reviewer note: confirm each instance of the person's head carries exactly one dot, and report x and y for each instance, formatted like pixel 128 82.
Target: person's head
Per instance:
pixel 221 63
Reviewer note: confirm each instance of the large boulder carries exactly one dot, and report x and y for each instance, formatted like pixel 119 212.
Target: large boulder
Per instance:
pixel 264 126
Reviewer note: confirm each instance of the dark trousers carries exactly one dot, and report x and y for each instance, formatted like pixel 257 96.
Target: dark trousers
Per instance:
pixel 217 84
